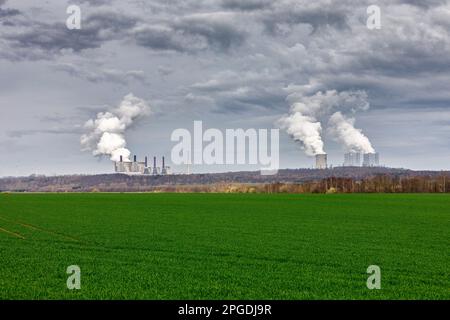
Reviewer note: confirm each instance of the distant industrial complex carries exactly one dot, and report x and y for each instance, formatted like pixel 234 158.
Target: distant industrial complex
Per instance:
pixel 136 167
pixel 351 159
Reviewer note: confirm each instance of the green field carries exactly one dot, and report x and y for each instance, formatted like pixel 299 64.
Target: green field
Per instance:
pixel 224 246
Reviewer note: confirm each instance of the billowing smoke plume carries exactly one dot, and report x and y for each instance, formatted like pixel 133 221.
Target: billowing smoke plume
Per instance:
pixel 304 129
pixel 106 133
pixel 307 113
pixel 343 130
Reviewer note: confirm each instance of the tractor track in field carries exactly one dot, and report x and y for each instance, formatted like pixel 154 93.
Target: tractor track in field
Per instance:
pixel 15 234
pixel 36 228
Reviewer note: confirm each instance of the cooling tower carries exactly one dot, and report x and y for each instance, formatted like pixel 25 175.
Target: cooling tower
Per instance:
pixel 371 160
pixel 352 159
pixel 321 161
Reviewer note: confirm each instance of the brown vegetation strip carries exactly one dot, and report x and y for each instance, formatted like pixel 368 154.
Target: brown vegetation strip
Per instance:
pixel 32 227
pixel 17 235
pixel 26 225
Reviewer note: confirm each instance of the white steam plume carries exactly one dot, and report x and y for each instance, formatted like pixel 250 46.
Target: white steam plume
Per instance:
pixel 307 112
pixel 106 134
pixel 343 130
pixel 304 129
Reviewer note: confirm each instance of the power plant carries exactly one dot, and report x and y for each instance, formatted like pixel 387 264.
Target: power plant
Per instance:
pixel 136 167
pixel 352 159
pixel 321 161
pixel 371 160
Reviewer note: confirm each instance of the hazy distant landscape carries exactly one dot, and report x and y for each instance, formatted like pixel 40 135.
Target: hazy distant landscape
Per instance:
pixel 340 179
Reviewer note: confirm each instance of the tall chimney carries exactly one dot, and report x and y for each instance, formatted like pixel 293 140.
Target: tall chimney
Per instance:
pixel 146 163
pixel 154 162
pixel 134 158
pixel 163 165
pixel 121 159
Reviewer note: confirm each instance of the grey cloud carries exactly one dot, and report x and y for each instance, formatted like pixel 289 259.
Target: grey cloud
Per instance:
pixel 96 2
pixel 160 38
pixel 423 3
pixel 231 91
pixel 55 118
pixel 7 12
pixel 21 133
pixel 95 75
pixel 53 38
pixel 247 100
pixel 192 33
pixel 165 70
pixel 248 5
pixel 319 16
pixel 390 63
pixel 56 37
pixel 218 29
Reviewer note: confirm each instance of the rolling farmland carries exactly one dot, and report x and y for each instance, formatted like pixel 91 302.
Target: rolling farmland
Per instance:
pixel 224 246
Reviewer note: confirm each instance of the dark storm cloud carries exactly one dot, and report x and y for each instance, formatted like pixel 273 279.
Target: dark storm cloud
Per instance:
pixel 55 37
pixel 218 30
pixel 225 59
pixel 190 33
pixel 215 31
pixel 401 57
pixel 52 38
pixel 161 38
pixel 7 12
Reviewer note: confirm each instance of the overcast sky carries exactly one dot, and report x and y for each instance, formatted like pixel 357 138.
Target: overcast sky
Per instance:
pixel 229 63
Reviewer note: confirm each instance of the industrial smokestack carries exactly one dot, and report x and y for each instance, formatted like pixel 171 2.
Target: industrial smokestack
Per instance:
pixel 146 162
pixel 321 161
pixel 154 170
pixel 163 163
pixel 135 158
pixel 121 159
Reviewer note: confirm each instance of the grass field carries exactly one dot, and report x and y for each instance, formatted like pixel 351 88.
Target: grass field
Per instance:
pixel 224 246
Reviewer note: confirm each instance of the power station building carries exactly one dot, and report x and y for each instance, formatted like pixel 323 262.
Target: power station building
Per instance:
pixel 321 161
pixel 371 160
pixel 352 159
pixel 136 167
